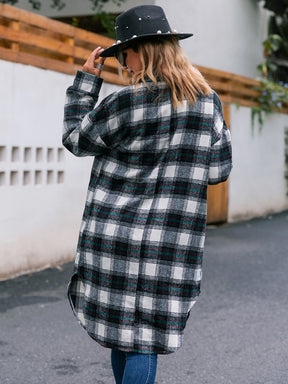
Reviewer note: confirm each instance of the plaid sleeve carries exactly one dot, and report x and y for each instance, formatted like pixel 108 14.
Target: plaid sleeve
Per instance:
pixel 80 134
pixel 221 149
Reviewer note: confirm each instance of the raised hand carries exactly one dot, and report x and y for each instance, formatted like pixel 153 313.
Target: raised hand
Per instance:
pixel 91 66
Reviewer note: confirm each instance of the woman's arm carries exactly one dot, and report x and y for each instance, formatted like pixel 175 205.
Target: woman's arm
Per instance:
pixel 221 150
pixel 80 136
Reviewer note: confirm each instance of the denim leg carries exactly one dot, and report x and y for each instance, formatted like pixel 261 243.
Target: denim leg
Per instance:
pixel 140 368
pixel 118 361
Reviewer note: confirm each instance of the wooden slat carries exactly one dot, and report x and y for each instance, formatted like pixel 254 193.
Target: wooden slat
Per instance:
pixel 37 61
pixel 226 99
pixel 243 102
pixel 216 73
pixel 35 41
pixel 218 85
pixel 54 65
pixel 112 63
pixel 83 53
pixel 93 38
pixel 112 78
pixel 35 20
pixel 70 41
pixel 240 89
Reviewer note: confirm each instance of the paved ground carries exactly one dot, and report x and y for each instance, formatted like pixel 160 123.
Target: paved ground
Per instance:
pixel 237 333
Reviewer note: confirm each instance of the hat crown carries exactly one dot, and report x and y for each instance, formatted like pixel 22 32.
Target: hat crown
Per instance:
pixel 140 21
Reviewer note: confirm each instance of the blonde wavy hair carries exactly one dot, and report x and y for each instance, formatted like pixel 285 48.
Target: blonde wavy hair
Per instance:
pixel 164 60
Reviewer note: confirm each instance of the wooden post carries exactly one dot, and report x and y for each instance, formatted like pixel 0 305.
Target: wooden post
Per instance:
pixel 15 26
pixel 70 41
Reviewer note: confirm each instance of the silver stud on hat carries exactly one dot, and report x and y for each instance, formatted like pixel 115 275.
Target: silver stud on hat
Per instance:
pixel 159 32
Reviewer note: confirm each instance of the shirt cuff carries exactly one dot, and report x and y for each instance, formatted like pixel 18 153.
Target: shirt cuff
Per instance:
pixel 88 83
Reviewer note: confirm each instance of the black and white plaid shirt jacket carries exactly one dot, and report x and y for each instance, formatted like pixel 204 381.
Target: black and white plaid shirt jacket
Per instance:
pixel 138 265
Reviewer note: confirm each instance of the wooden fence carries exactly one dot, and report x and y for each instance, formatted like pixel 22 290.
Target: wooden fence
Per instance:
pixel 39 41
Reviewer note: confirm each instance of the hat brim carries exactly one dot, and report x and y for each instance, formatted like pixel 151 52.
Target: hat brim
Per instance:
pixel 111 51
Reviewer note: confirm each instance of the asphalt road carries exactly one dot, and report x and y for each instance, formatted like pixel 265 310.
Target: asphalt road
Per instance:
pixel 237 332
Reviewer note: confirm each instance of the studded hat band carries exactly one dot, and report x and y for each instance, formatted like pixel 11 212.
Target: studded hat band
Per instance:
pixel 141 22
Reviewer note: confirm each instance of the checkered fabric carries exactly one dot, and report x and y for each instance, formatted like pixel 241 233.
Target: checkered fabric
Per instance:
pixel 139 256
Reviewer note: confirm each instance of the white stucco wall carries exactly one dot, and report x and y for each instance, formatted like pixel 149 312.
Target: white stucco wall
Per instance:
pixel 257 182
pixel 42 186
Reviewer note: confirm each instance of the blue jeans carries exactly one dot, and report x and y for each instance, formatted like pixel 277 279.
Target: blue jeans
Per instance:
pixel 132 368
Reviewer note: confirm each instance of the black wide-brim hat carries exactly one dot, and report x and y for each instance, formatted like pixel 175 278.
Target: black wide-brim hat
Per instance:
pixel 138 23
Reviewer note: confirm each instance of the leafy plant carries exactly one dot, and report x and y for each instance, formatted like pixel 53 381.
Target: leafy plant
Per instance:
pixel 273 97
pixel 273 90
pixel 275 64
pixel 107 21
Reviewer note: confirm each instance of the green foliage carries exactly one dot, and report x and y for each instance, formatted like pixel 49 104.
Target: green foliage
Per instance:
pixel 274 69
pixel 273 97
pixel 75 22
pixel 107 21
pixel 271 45
pixel 275 65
